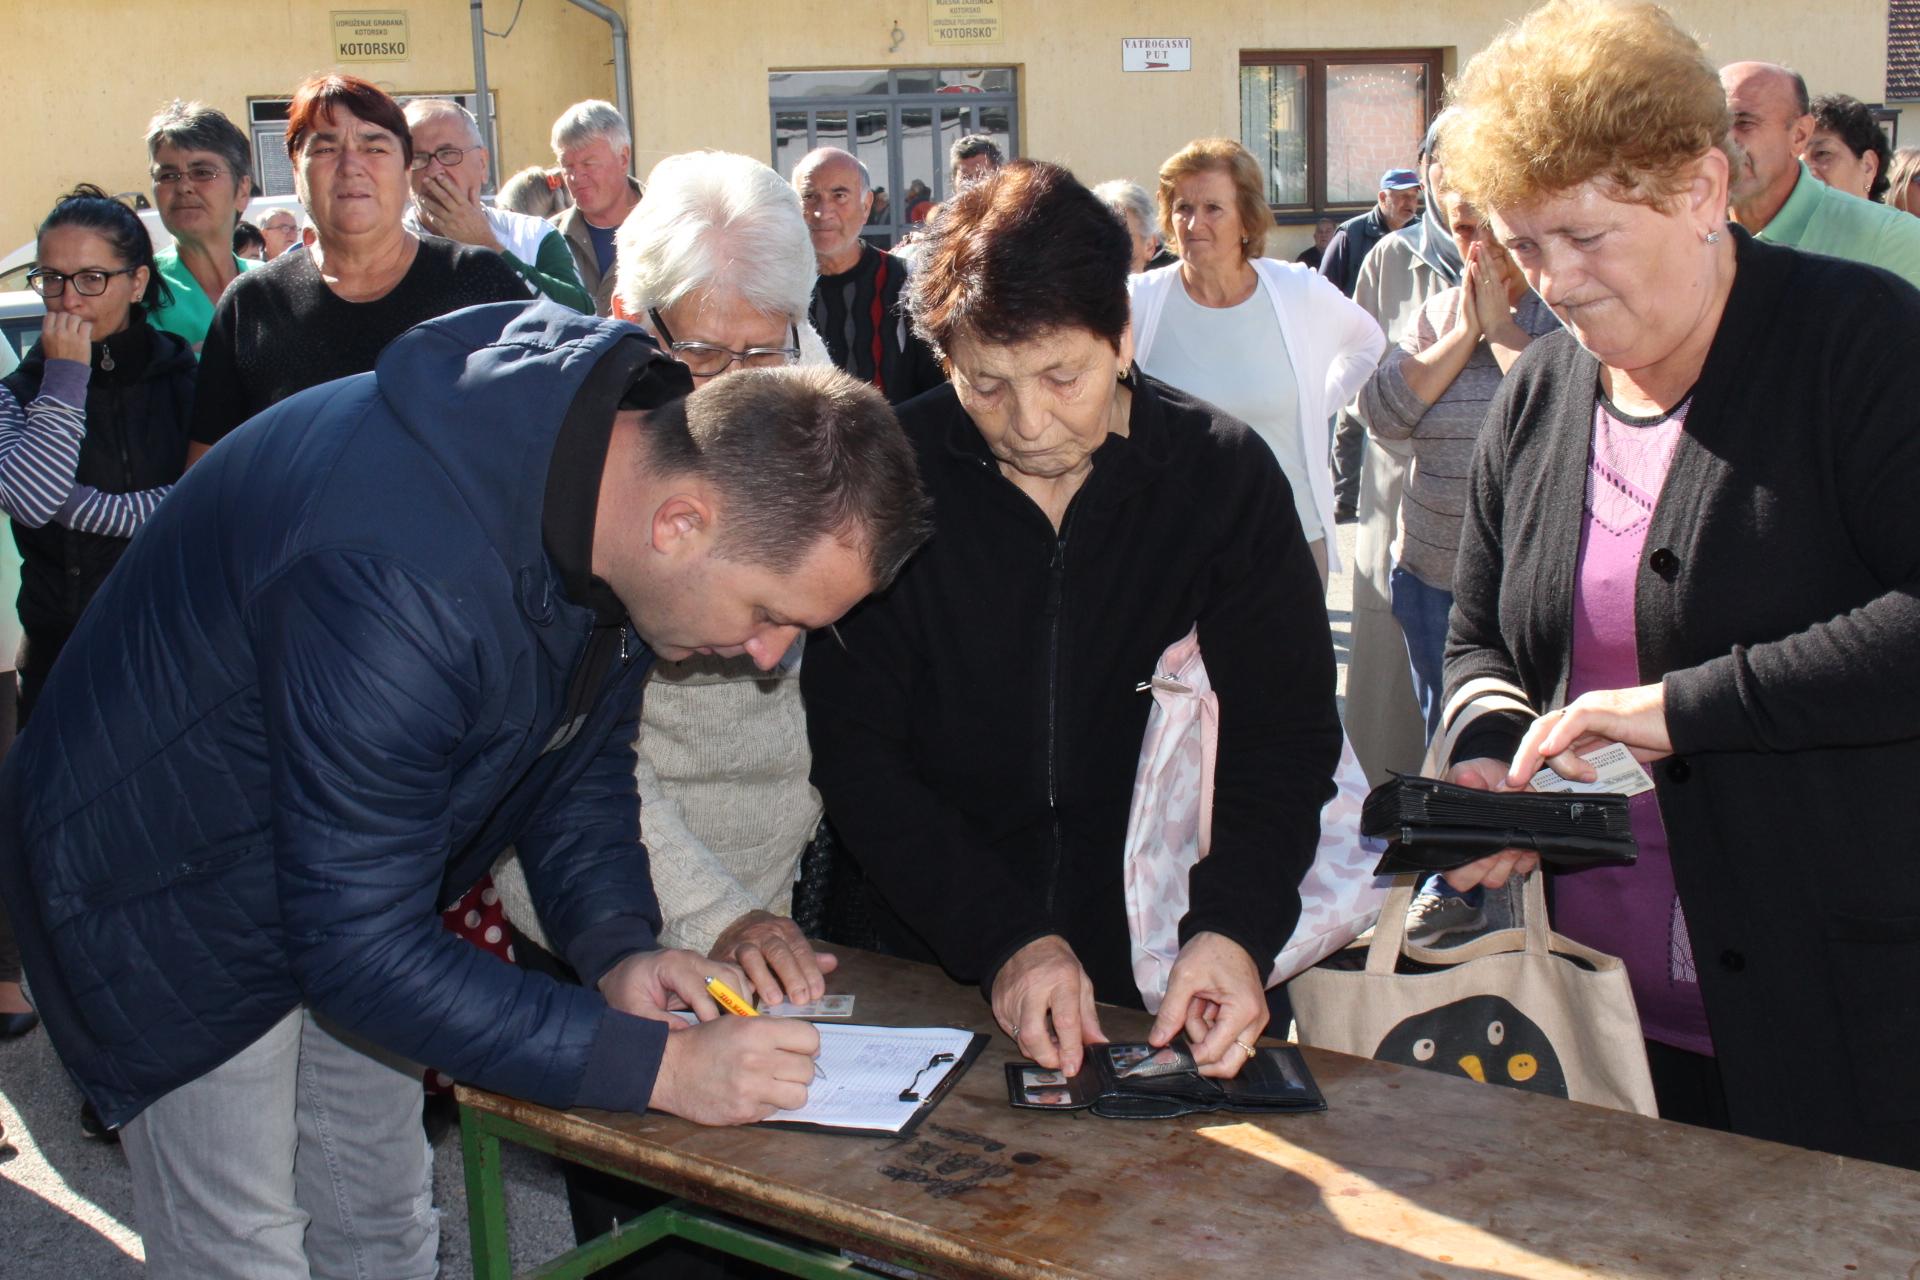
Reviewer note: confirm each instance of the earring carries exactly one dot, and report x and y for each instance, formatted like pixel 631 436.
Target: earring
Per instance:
pixel 1713 237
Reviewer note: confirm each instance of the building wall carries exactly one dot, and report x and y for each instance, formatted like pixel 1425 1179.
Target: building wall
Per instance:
pixel 699 68
pixel 70 125
pixel 1078 107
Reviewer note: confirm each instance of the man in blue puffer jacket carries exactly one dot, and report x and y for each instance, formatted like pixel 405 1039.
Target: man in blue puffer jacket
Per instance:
pixel 392 625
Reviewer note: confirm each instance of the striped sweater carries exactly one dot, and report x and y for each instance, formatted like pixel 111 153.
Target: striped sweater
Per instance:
pixel 40 453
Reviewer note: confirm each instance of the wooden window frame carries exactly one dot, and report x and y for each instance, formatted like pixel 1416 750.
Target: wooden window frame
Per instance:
pixel 1316 62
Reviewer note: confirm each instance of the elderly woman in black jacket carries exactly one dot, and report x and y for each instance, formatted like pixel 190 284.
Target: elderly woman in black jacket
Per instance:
pixel 1692 530
pixel 975 730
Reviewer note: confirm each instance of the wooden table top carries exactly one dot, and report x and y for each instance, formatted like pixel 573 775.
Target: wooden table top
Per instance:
pixel 1407 1173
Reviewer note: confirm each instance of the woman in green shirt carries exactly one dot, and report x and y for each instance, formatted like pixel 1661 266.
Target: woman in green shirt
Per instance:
pixel 202 176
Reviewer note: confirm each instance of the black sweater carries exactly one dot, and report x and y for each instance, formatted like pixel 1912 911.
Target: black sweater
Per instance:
pixel 1778 603
pixel 976 729
pixel 280 329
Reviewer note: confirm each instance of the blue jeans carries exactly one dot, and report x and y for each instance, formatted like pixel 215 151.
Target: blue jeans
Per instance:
pixel 1422 611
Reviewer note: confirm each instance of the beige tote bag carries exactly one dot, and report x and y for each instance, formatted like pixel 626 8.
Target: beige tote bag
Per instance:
pixel 1527 1007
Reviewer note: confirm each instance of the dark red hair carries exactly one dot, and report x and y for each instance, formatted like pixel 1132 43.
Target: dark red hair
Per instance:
pixel 321 96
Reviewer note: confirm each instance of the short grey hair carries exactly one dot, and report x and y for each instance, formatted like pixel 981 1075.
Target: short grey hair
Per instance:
pixel 821 155
pixel 585 121
pixel 715 222
pixel 418 109
pixel 1124 198
pixel 195 126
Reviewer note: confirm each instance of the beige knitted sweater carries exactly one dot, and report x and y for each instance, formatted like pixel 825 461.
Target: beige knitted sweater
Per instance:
pixel 725 805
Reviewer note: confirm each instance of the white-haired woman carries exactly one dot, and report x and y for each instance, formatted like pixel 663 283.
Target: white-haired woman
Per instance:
pixel 717 264
pixel 1133 206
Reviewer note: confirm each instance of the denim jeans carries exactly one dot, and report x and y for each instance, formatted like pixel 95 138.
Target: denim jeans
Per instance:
pixel 301 1156
pixel 1422 611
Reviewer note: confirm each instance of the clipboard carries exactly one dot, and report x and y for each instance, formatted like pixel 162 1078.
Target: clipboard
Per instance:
pixel 871 1069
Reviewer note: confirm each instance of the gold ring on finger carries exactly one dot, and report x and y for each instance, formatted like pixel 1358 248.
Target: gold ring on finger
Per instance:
pixel 1244 1045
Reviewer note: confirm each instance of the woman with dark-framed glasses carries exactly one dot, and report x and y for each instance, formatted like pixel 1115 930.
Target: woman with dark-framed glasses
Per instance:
pixel 93 432
pixel 308 318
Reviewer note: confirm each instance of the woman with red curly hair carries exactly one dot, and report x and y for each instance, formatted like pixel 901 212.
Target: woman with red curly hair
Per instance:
pixel 1691 530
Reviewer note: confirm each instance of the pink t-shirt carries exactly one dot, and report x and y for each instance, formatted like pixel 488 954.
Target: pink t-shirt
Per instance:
pixel 1630 912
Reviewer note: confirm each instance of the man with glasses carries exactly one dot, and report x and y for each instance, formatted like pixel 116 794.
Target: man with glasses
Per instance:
pixel 281 231
pixel 857 306
pixel 594 149
pixel 449 171
pixel 202 175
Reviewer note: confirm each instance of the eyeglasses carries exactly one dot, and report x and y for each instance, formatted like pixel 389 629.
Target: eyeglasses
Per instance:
pixel 198 174
pixel 706 360
pixel 447 156
pixel 90 283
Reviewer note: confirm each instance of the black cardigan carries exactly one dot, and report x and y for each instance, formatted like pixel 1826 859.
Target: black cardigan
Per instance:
pixel 1779 603
pixel 930 710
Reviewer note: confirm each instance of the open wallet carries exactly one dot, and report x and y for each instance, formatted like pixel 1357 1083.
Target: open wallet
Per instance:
pixel 1140 1082
pixel 1436 826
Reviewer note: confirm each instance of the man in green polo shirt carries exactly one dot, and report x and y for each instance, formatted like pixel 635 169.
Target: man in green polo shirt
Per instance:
pixel 202 176
pixel 1777 198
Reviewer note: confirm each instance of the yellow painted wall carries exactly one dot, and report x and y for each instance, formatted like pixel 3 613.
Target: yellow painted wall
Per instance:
pixel 1079 108
pixel 700 67
pixel 74 121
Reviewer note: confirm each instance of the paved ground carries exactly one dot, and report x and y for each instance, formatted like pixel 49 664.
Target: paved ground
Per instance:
pixel 66 1206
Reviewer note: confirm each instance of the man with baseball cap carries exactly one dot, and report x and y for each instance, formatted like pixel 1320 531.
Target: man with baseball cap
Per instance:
pixel 1397 205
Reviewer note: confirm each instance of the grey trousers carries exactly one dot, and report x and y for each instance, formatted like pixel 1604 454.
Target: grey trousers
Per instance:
pixel 302 1156
pixel 1349 450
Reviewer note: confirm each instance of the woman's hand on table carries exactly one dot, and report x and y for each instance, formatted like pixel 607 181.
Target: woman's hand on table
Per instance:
pixel 649 983
pixel 1636 718
pixel 1044 1000
pixel 776 957
pixel 1215 995
pixel 1487 774
pixel 736 1070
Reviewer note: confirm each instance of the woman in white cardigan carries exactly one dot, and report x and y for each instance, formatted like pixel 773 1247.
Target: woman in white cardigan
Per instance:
pixel 1274 344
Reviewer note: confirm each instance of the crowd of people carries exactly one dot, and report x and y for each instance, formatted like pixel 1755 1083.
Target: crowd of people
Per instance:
pixel 456 628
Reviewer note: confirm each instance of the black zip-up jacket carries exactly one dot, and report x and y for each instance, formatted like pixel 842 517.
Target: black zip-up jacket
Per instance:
pixel 976 728
pixel 1778 604
pixel 137 422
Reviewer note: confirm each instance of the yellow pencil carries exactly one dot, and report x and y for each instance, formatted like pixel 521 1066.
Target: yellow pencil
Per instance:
pixel 729 999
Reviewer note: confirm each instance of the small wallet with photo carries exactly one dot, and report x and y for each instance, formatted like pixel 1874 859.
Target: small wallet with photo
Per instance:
pixel 1436 826
pixel 1140 1082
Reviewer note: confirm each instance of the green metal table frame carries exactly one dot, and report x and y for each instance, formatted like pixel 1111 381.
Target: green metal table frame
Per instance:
pixel 481 1133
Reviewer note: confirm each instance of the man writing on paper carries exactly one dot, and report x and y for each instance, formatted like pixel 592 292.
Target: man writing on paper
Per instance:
pixel 391 625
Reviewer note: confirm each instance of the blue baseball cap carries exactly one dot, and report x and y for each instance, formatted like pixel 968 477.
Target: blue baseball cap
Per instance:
pixel 1399 180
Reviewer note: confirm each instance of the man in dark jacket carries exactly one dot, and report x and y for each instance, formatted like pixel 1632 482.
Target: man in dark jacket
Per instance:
pixel 857 309
pixel 1396 206
pixel 389 627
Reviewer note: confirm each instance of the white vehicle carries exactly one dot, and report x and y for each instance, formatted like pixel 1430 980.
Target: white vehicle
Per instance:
pixel 14 267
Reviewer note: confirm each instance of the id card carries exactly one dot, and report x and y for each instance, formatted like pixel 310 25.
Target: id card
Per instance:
pixel 836 1006
pixel 1619 774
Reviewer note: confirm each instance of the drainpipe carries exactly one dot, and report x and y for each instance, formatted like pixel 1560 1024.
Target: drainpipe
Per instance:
pixel 622 68
pixel 482 114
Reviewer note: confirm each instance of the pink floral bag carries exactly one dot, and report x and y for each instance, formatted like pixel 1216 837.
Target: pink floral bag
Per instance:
pixel 1170 826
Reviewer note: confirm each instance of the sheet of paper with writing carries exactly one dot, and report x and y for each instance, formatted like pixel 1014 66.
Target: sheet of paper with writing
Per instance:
pixel 865 1070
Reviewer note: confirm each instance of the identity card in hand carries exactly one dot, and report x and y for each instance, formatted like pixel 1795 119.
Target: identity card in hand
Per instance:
pixel 1619 774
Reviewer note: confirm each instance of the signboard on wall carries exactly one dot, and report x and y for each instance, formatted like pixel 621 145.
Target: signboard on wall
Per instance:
pixel 954 22
pixel 1157 53
pixel 370 35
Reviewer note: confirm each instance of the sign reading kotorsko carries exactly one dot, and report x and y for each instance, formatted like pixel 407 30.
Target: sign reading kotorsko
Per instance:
pixel 951 22
pixel 370 35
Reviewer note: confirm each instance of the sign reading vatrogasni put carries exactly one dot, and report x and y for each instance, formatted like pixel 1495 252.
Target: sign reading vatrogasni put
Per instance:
pixel 370 35
pixel 951 22
pixel 1156 53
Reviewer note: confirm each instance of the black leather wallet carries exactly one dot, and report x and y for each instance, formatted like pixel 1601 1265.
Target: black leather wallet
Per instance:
pixel 1140 1082
pixel 1436 826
